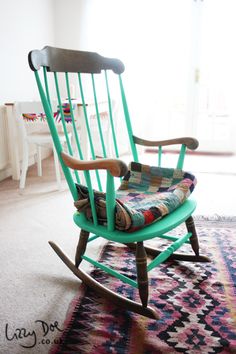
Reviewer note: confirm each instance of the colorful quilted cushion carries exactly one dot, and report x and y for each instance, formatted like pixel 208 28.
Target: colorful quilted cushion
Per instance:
pixel 149 193
pixel 145 195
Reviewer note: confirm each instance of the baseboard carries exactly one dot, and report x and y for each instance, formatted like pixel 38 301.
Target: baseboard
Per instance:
pixel 5 173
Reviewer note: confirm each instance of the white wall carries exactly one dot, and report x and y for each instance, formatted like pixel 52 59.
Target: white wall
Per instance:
pixel 24 25
pixel 32 24
pixel 69 22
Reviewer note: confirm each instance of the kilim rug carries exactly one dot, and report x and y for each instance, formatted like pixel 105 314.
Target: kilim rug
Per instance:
pixel 196 302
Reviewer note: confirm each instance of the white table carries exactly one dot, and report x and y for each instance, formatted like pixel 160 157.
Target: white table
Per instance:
pixel 14 135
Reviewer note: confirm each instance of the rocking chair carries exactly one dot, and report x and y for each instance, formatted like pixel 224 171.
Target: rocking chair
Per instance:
pixel 151 200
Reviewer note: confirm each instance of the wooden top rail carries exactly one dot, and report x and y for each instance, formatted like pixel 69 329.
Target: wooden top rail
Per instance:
pixel 191 143
pixel 66 60
pixel 116 167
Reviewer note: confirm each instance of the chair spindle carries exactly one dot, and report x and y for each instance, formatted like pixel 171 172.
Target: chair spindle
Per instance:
pixel 98 117
pixel 111 115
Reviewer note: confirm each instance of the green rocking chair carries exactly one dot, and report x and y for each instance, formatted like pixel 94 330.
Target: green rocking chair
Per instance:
pixel 150 201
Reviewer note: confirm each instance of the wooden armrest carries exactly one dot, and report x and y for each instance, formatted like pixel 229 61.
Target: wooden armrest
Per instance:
pixel 116 167
pixel 191 143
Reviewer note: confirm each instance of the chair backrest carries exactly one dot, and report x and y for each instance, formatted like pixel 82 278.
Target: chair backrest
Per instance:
pixel 67 75
pixel 68 68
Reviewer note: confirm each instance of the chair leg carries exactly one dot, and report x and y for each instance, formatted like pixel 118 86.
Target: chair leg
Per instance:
pixel 142 276
pixel 81 247
pixel 57 169
pixel 25 163
pixel 193 239
pixel 39 161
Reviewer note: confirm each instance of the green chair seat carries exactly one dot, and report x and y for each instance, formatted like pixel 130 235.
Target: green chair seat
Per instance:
pixel 164 225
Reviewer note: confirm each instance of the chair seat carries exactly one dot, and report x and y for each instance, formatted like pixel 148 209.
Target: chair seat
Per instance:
pixel 146 195
pixel 156 229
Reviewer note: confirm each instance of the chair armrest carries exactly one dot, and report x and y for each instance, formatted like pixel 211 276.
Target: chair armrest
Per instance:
pixel 191 143
pixel 116 167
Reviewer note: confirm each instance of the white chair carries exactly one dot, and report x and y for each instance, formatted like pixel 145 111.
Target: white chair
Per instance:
pixel 34 133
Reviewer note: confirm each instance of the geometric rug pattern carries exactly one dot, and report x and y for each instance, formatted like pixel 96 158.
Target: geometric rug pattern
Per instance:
pixel 196 303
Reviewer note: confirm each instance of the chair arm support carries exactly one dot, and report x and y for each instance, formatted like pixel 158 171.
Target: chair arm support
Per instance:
pixel 116 167
pixel 191 143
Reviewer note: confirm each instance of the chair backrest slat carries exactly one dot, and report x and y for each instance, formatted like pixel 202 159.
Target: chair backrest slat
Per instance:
pixel 111 116
pixel 73 119
pixel 180 162
pixel 91 197
pixel 62 114
pixel 98 117
pixel 46 86
pixel 86 117
pixel 159 155
pixel 110 202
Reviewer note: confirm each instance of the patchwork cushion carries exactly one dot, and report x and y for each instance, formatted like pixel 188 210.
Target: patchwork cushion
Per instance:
pixel 146 194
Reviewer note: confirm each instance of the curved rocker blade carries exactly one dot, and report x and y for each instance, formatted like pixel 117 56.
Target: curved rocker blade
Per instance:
pixel 103 291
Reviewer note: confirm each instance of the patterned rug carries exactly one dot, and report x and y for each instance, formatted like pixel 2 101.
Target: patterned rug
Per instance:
pixel 196 302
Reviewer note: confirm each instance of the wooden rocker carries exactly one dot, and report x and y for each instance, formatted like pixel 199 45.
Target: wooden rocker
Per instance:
pixel 150 202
